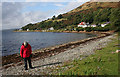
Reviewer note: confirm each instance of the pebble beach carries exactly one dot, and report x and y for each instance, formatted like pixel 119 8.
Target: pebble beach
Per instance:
pixel 74 51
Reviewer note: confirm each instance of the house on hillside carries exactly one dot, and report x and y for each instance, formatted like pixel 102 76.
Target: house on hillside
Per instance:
pixel 82 24
pixel 51 28
pixel 103 25
pixel 27 29
pixel 93 25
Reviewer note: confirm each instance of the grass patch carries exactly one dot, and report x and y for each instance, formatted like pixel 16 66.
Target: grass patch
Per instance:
pixel 58 20
pixel 103 62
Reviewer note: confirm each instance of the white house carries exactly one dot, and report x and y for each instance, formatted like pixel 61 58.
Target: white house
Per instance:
pixel 103 25
pixel 27 29
pixel 51 28
pixel 82 24
pixel 93 25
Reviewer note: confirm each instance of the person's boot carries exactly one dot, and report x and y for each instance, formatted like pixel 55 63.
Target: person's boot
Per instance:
pixel 26 69
pixel 25 62
pixel 31 67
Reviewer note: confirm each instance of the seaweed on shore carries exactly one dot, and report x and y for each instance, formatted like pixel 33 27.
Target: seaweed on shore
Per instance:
pixel 10 60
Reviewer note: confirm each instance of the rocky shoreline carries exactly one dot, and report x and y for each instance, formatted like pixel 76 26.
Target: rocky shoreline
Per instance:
pixel 10 60
pixel 44 65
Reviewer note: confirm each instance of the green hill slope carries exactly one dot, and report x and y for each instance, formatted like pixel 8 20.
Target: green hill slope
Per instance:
pixel 92 12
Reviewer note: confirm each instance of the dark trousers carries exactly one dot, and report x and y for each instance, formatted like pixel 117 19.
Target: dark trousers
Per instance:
pixel 29 61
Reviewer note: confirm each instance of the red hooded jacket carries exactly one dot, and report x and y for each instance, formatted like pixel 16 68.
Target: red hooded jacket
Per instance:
pixel 25 51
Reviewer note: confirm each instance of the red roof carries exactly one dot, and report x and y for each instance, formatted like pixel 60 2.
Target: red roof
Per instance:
pixel 82 23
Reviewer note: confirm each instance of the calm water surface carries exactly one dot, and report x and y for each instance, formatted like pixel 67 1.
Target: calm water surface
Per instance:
pixel 12 41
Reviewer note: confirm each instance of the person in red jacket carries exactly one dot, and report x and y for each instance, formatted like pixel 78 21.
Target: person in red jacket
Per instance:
pixel 26 53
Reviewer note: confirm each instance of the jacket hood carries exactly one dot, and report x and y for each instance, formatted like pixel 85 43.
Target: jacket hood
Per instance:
pixel 23 44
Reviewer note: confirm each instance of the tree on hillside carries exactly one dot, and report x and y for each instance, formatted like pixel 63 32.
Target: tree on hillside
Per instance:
pixel 53 17
pixel 114 18
pixel 60 16
pixel 28 26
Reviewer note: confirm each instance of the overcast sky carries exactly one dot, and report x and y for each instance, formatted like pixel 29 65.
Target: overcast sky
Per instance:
pixel 18 13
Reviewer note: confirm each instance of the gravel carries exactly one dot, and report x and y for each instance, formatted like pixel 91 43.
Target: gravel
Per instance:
pixel 41 66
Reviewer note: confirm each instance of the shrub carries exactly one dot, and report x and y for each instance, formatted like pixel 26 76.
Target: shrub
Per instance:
pixel 79 29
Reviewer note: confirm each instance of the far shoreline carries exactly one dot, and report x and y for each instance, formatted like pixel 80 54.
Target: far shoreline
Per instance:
pixel 92 32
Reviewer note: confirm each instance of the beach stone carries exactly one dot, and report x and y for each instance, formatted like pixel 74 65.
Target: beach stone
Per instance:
pixel 117 51
pixel 72 46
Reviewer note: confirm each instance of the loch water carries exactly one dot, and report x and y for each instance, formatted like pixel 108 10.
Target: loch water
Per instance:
pixel 10 42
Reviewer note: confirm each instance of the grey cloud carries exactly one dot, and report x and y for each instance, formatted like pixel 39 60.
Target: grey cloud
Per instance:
pixel 0 16
pixel 13 17
pixel 36 16
pixel 48 0
pixel 11 14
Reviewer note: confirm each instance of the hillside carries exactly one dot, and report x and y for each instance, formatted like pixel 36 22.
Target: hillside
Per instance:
pixel 95 5
pixel 92 12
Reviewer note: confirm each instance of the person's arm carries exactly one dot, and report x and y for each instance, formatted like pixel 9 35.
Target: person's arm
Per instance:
pixel 21 51
pixel 30 50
